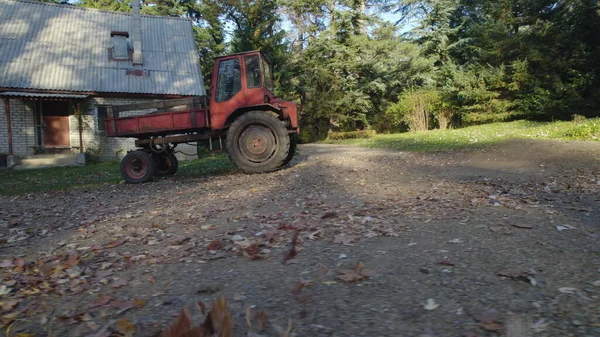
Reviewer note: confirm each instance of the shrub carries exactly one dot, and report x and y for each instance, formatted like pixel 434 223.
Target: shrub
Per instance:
pixel 352 134
pixel 586 130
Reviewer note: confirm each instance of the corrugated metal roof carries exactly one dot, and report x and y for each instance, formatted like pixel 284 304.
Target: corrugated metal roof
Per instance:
pixel 46 46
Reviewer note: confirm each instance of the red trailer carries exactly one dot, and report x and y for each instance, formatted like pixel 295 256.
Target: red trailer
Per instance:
pixel 259 129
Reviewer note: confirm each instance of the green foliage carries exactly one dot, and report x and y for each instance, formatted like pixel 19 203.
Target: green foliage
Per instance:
pixel 585 130
pixel 467 138
pixel 352 134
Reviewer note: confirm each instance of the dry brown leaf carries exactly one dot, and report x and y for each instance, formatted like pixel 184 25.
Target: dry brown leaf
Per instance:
pixel 219 319
pixel 262 317
pixel 119 283
pixel 289 329
pixel 9 305
pixel 344 239
pixel 72 261
pixel 248 315
pixel 180 326
pixel 116 243
pixel 139 303
pixel 50 268
pixel 358 273
pixel 125 327
pixel 292 252
pixel 215 245
pixel 298 288
pixel 202 307
pixel 102 300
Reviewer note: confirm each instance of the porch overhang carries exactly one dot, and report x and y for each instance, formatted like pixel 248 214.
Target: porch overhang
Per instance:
pixel 42 96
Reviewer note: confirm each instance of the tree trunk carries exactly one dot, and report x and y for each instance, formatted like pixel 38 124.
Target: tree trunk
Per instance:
pixel 331 19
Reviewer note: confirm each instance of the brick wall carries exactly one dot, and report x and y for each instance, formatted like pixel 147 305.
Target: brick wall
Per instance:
pixel 23 127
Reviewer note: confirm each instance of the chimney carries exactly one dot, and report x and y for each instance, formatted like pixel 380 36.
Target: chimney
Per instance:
pixel 137 33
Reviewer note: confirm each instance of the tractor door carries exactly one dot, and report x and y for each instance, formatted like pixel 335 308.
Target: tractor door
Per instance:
pixel 227 93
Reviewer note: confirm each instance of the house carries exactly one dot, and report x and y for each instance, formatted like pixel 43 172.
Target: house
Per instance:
pixel 62 65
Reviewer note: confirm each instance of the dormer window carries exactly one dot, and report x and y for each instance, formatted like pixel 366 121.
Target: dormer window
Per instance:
pixel 120 47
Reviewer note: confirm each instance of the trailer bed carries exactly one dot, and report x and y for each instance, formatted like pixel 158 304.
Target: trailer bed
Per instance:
pixel 191 116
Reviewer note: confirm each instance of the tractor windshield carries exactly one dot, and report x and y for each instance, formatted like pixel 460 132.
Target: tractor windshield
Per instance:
pixel 268 75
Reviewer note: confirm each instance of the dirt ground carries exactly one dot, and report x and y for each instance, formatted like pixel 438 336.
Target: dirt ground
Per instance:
pixel 461 243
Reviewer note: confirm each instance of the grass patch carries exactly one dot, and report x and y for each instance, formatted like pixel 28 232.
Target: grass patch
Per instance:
pixel 14 182
pixel 477 136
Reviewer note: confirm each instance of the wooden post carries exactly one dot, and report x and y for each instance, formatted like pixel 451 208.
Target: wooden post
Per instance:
pixel 8 125
pixel 80 128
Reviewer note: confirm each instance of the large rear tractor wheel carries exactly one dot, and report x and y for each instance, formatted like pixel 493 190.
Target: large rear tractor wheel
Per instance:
pixel 166 165
pixel 292 152
pixel 138 167
pixel 258 142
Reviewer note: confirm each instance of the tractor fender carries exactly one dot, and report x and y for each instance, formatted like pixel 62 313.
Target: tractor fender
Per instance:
pixel 260 107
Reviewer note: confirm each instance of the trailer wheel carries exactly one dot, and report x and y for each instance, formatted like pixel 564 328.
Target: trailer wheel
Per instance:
pixel 165 165
pixel 258 142
pixel 292 152
pixel 138 167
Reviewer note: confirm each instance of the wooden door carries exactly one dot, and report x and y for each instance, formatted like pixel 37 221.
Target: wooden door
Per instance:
pixel 56 131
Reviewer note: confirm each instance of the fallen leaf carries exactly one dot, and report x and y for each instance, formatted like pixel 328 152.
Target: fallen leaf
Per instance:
pixel 50 268
pixel 289 329
pixel 125 327
pixel 219 319
pixel 248 316
pixel 330 214
pixel 72 261
pixel 298 288
pixel 139 303
pixel 523 226
pixel 446 262
pixel 180 326
pixel 490 320
pixel 358 273
pixel 215 245
pixel 116 243
pixel 292 252
pixel 516 275
pixel 344 239
pixel 430 304
pixel 202 307
pixel 119 283
pixel 262 317
pixel 102 300
pixel 9 305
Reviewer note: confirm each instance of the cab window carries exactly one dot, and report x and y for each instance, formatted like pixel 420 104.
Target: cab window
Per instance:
pixel 268 75
pixel 252 71
pixel 229 81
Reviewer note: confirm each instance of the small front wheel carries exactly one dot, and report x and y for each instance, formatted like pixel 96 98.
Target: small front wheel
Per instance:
pixel 138 167
pixel 258 142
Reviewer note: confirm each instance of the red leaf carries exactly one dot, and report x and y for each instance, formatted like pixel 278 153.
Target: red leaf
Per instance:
pixel 298 288
pixel 215 245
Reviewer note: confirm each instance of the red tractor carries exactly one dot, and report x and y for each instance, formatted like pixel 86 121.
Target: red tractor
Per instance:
pixel 259 129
